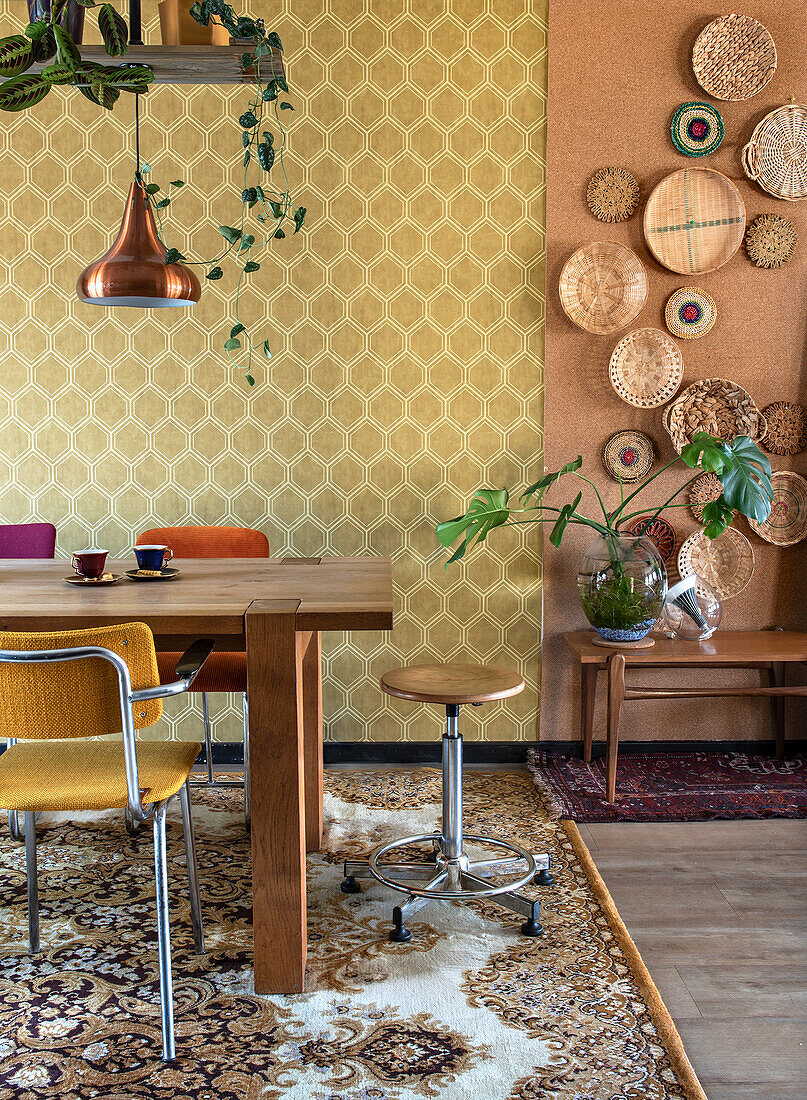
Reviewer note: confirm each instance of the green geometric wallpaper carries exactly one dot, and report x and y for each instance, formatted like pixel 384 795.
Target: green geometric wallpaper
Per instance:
pixel 406 324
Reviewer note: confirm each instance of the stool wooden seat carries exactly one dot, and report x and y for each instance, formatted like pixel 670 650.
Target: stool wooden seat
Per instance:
pixel 452 684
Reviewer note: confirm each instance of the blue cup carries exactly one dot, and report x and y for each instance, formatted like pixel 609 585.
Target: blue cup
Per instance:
pixel 152 558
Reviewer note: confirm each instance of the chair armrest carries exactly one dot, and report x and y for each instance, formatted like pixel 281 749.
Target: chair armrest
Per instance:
pixel 188 667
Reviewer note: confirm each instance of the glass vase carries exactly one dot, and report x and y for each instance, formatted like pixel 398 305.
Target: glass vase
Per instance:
pixel 622 584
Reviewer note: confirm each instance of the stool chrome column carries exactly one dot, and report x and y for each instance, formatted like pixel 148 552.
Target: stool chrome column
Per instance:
pixel 453 875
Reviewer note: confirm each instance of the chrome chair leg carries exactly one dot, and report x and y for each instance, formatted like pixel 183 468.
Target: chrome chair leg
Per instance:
pixel 163 934
pixel 208 737
pixel 247 804
pixel 33 886
pixel 14 829
pixel 193 878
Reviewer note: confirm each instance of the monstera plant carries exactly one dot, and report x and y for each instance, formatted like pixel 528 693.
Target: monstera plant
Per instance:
pixel 266 209
pixel 622 582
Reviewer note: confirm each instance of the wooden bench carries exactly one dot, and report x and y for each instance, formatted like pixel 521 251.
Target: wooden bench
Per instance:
pixel 768 650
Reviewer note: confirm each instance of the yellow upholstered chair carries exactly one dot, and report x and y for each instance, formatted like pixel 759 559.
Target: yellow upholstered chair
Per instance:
pixel 58 689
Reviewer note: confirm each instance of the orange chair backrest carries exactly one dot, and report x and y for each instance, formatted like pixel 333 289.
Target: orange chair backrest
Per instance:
pixel 75 698
pixel 208 542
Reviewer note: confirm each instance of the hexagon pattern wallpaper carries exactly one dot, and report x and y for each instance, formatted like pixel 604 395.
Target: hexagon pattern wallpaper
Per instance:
pixel 406 323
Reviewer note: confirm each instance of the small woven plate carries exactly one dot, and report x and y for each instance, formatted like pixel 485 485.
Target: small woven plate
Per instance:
pixel 628 456
pixel 726 563
pixel 690 313
pixel 646 368
pixel 659 531
pixel 694 221
pixel 603 287
pixel 612 194
pixel 697 129
pixel 776 155
pixel 787 522
pixel 734 57
pixel 702 491
pixel 787 428
pixel 770 241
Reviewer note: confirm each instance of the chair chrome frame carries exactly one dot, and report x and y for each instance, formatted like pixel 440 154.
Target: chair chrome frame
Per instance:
pixel 186 671
pixel 210 779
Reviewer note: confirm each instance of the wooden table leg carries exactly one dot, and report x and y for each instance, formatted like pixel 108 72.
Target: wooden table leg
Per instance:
pixel 776 678
pixel 616 696
pixel 276 783
pixel 311 671
pixel 588 696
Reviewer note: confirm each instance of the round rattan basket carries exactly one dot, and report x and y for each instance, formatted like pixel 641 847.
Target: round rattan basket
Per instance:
pixel 770 240
pixel 714 405
pixel 787 523
pixel 734 57
pixel 787 428
pixel 603 287
pixel 660 532
pixel 703 490
pixel 694 221
pixel 646 368
pixel 612 194
pixel 628 456
pixel 776 155
pixel 725 563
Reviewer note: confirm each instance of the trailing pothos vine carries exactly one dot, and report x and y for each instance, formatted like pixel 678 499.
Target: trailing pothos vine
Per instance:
pixel 267 209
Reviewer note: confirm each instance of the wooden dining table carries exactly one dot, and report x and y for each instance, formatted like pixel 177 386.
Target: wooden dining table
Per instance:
pixel 274 609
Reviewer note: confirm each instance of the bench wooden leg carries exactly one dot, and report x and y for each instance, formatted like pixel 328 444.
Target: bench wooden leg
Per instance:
pixel 616 696
pixel 588 695
pixel 776 678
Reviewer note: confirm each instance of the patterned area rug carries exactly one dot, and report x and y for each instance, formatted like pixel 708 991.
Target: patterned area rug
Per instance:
pixel 691 786
pixel 468 1009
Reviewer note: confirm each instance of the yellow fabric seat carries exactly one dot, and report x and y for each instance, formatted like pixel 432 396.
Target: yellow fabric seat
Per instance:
pixel 89 775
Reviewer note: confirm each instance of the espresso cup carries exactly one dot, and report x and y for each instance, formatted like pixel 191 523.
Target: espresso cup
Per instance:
pixel 152 558
pixel 90 563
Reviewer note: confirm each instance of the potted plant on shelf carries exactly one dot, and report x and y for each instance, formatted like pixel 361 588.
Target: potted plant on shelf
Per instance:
pixel 622 582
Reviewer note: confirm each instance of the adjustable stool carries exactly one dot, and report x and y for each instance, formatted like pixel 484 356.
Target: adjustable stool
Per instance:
pixel 453 876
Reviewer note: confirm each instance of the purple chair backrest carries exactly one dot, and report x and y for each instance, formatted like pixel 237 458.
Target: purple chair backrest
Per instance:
pixel 27 540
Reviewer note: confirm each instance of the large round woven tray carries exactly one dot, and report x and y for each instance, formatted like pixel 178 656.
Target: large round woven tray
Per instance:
pixel 726 563
pixel 776 155
pixel 646 368
pixel 694 221
pixel 787 428
pixel 734 57
pixel 787 522
pixel 603 287
pixel 628 456
pixel 714 405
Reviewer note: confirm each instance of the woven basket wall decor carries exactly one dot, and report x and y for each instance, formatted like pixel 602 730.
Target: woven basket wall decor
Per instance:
pixel 787 428
pixel 776 155
pixel 660 532
pixel 628 456
pixel 697 129
pixel 787 523
pixel 690 313
pixel 603 287
pixel 734 57
pixel 646 368
pixel 694 221
pixel 770 240
pixel 612 194
pixel 726 563
pixel 703 490
pixel 714 405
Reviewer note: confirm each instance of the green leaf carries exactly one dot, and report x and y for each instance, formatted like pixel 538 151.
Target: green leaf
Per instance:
pixel 44 48
pixel 16 54
pixel 113 30
pixel 488 509
pixel 230 233
pixel 299 218
pixel 177 183
pixel 539 488
pixel 266 153
pixel 250 379
pixel 214 273
pixel 286 106
pixel 232 344
pixel 273 40
pixel 236 330
pixel 161 205
pixel 86 3
pixel 34 31
pixel 566 511
pixel 247 241
pixel 747 482
pixel 22 92
pixel 247 120
pixel 716 517
pixel 267 351
pixel 251 266
pixel 270 92
pixel 107 96
pixel 278 235
pixel 277 208
pixel 88 93
pixel 174 256
pixel 145 169
pixel 66 49
pixel 58 74
pixel 152 188
pixel 134 77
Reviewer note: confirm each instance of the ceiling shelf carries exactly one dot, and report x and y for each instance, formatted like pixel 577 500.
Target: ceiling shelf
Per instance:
pixel 188 64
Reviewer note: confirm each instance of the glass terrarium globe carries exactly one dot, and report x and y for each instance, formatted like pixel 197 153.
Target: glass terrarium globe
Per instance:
pixel 622 584
pixel 692 610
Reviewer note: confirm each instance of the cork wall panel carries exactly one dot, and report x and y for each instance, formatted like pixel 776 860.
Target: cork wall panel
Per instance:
pixel 617 74
pixel 406 325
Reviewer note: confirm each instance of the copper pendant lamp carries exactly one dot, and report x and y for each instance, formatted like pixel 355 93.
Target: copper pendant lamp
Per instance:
pixel 134 272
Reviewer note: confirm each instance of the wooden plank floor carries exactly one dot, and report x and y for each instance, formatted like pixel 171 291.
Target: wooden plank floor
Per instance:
pixel 718 911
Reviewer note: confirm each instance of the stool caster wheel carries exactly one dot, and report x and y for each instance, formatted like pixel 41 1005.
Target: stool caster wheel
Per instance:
pixel 543 878
pixel 399 933
pixel 349 885
pixel 531 927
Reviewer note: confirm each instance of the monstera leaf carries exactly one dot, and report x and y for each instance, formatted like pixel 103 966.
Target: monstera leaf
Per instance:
pixel 537 490
pixel 487 510
pixel 743 469
pixel 16 55
pixel 23 92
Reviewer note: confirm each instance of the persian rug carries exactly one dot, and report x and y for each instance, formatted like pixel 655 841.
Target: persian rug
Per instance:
pixel 687 786
pixel 468 1009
